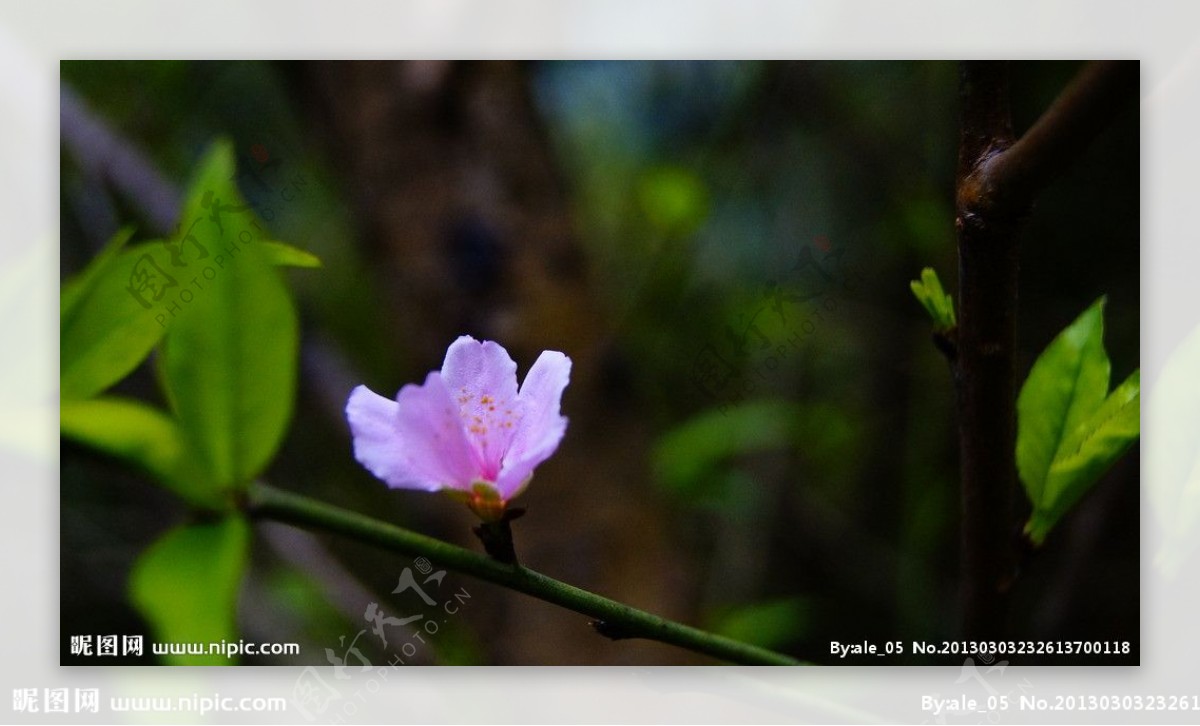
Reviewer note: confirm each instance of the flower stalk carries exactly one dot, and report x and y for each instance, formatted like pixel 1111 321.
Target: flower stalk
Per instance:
pixel 267 502
pixel 497 537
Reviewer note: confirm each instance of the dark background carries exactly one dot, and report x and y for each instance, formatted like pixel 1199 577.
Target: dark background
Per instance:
pixel 646 219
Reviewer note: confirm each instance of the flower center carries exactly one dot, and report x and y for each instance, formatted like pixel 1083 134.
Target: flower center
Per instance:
pixel 489 421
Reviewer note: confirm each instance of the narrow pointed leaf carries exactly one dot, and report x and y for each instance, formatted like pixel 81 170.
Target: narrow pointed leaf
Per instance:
pixel 1067 383
pixel 932 296
pixel 1089 452
pixel 1070 430
pixel 112 321
pixel 114 312
pixel 229 361
pixel 284 255
pixel 74 290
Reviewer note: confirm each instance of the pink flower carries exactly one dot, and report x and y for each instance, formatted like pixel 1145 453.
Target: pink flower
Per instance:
pixel 467 430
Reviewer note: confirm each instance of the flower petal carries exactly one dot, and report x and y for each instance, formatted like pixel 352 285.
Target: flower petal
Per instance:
pixel 482 380
pixel 414 442
pixel 541 427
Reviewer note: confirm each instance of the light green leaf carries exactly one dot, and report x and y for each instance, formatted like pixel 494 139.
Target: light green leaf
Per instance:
pixel 229 361
pixel 76 288
pixel 114 312
pixel 144 436
pixel 217 221
pixel 1088 453
pixel 284 255
pixel 1069 432
pixel 929 292
pixel 111 319
pixel 1067 383
pixel 186 585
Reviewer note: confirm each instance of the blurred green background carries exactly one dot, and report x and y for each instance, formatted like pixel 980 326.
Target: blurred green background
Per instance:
pixel 762 437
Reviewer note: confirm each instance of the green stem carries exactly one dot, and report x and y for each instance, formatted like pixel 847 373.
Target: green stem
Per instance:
pixel 616 619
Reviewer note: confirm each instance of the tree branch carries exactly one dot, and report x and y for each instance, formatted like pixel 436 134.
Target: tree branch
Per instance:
pixel 1012 179
pixel 986 116
pixel 614 619
pixel 997 182
pixel 986 353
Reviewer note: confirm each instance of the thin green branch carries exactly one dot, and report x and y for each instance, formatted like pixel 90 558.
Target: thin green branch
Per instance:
pixel 617 620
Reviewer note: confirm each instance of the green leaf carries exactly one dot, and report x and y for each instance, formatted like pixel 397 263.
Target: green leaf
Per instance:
pixel 284 255
pixel 186 585
pixel 929 292
pixel 1069 431
pixel 106 332
pixel 120 307
pixel 229 361
pixel 144 436
pixel 769 624
pixel 694 459
pixel 74 290
pixel 107 329
pixel 1067 383
pixel 686 453
pixel 1088 453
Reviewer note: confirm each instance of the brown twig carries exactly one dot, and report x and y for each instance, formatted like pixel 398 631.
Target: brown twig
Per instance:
pixel 986 341
pixel 1013 179
pixel 998 178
